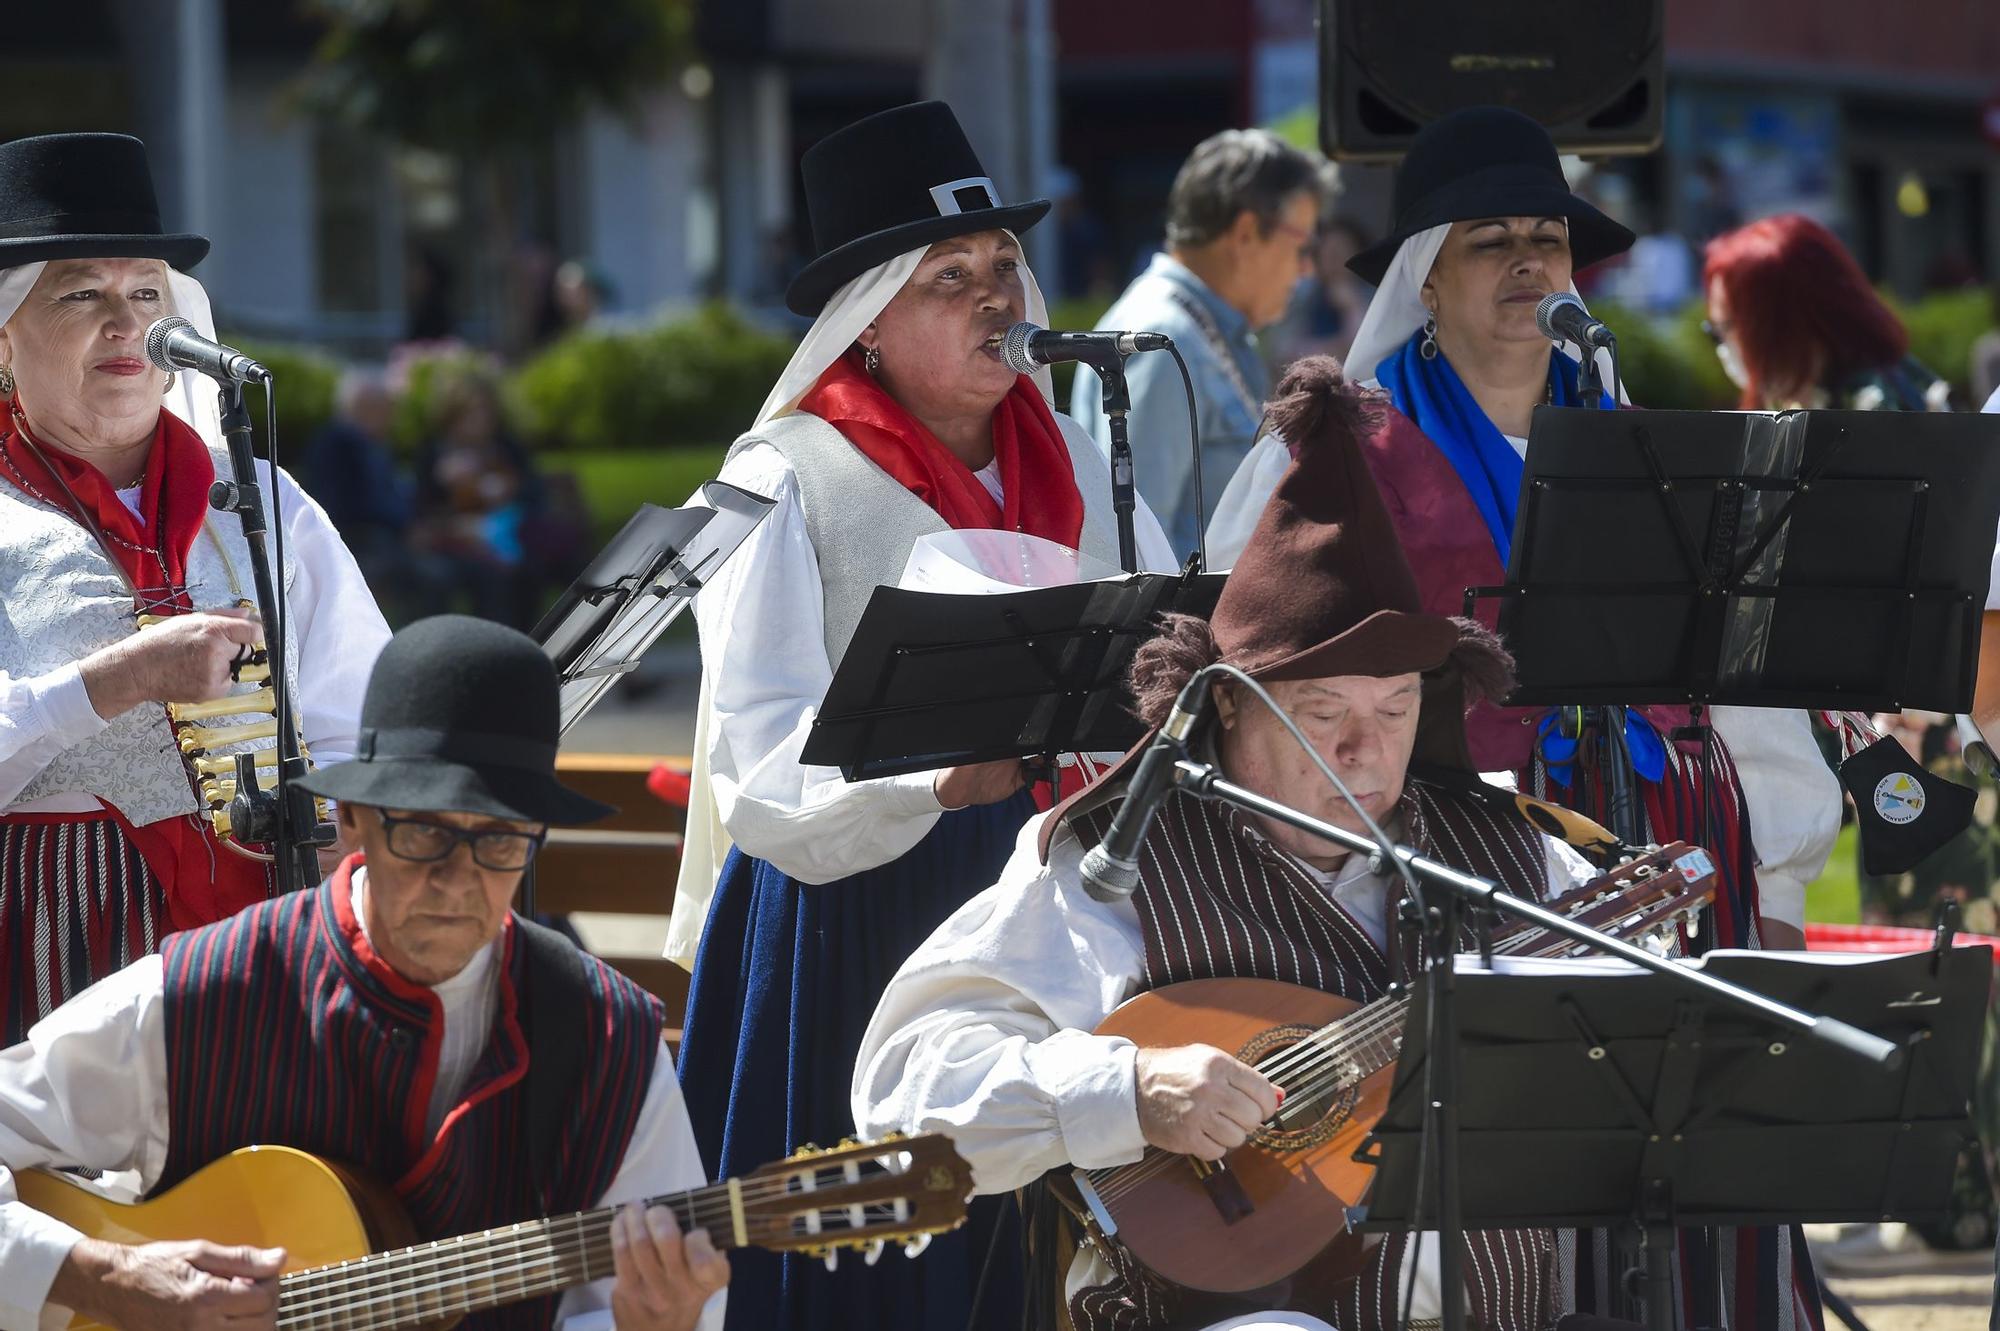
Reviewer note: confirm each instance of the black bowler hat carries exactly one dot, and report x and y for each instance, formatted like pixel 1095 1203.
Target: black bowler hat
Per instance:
pixel 462 715
pixel 897 181
pixel 1488 161
pixel 84 196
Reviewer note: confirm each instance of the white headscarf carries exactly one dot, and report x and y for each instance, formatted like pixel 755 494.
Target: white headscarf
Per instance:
pixel 852 308
pixel 193 397
pixel 1397 310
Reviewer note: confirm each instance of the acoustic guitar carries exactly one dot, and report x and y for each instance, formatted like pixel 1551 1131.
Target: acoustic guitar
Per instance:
pixel 353 1263
pixel 1277 1205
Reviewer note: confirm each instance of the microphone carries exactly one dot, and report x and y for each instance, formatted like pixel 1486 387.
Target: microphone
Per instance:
pixel 1027 348
pixel 173 344
pixel 1562 318
pixel 1111 867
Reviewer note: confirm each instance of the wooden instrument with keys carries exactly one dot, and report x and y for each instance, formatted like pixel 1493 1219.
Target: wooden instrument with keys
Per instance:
pixel 354 1264
pixel 1271 1217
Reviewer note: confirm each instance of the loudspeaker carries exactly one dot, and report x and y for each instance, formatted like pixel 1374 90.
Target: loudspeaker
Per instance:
pixel 1591 71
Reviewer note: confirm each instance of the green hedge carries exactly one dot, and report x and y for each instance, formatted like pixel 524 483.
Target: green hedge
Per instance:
pixel 691 381
pixel 304 379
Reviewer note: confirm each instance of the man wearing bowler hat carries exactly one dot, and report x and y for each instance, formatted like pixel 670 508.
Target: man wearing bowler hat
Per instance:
pixel 399 1017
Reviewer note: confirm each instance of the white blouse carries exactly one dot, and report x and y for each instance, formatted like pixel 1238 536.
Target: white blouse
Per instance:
pixel 764 655
pixel 335 633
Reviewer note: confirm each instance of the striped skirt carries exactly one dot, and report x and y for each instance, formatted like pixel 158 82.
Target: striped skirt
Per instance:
pixel 77 902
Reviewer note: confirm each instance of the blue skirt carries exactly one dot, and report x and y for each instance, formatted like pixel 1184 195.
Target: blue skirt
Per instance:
pixel 785 981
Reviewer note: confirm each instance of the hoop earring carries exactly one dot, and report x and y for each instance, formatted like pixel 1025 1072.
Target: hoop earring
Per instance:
pixel 872 358
pixel 6 381
pixel 1428 348
pixel 170 384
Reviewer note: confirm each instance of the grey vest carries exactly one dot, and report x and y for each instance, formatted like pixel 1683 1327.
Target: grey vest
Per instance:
pixel 63 599
pixel 863 522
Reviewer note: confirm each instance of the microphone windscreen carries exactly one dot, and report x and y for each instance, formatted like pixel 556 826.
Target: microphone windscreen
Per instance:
pixel 156 339
pixel 1014 348
pixel 1545 314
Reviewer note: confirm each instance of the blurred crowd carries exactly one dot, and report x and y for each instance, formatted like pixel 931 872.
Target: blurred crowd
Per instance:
pixel 466 522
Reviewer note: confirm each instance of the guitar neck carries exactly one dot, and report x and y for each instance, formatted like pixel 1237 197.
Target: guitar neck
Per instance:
pixel 408 1287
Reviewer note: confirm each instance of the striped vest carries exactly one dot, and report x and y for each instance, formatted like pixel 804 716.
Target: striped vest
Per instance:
pixel 1216 899
pixel 284 1029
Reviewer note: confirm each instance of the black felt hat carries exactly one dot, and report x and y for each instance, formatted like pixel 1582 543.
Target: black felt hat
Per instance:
pixel 84 196
pixel 896 181
pixel 462 715
pixel 1488 161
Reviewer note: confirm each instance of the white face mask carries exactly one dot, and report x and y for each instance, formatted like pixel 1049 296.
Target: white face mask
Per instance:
pixel 1732 365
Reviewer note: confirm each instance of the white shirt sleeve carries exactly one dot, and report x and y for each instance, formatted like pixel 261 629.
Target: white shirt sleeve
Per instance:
pixel 40 716
pixel 86 1088
pixel 985 1032
pixel 1243 500
pixel 1793 798
pixel 660 1159
pixel 763 647
pixel 336 629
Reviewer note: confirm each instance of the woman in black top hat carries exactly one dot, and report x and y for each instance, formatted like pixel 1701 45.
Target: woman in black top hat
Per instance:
pixel 896 420
pixel 1486 226
pixel 104 516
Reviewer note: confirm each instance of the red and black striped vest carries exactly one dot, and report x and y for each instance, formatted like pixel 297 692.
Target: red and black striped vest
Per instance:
pixel 1218 899
pixel 284 1028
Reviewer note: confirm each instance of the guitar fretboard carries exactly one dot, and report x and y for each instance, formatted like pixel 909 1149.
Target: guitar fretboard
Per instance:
pixel 474 1272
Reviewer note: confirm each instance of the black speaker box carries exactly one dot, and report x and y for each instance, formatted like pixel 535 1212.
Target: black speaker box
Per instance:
pixel 1591 71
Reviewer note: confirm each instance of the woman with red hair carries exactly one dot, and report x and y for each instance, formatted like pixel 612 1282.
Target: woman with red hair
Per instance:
pixel 1796 324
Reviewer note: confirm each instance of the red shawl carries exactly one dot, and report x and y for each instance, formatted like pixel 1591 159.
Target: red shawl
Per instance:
pixel 1037 482
pixel 203 881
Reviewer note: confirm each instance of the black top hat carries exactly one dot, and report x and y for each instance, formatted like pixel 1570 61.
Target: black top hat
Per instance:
pixel 462 715
pixel 84 196
pixel 1488 161
pixel 896 181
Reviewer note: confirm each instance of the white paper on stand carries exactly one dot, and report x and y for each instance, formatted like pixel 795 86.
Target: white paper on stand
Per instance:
pixel 984 562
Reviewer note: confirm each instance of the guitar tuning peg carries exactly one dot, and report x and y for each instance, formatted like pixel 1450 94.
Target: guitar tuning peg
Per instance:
pixel 915 1247
pixel 832 1258
pixel 873 1252
pixel 805 1150
pixel 849 1141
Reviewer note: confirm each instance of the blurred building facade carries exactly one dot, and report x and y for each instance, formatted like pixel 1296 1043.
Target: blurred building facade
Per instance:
pixel 1867 115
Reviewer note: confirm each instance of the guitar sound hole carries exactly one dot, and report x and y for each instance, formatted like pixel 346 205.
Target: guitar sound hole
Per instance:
pixel 1319 1101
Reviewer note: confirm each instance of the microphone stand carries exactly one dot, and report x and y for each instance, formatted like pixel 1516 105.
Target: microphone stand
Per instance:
pixel 1441 919
pixel 285 817
pixel 1117 402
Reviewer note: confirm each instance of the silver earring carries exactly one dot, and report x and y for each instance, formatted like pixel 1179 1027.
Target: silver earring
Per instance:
pixel 872 358
pixel 1428 348
pixel 170 384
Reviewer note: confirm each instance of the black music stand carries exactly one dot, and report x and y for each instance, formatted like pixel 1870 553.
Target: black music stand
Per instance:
pixel 1815 559
pixel 934 680
pixel 637 585
pixel 1594 1096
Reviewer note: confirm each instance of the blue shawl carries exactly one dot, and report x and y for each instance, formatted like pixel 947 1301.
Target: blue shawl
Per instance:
pixel 1431 394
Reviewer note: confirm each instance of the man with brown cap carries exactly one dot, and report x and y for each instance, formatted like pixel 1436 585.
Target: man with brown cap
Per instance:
pixel 986 1032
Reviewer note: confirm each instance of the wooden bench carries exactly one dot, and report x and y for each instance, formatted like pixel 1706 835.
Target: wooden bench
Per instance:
pixel 625 865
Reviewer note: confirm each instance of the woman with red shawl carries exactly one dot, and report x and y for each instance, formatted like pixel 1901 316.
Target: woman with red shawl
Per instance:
pixel 105 468
pixel 897 419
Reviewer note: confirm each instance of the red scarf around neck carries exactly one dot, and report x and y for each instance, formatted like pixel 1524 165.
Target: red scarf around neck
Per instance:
pixel 173 500
pixel 1037 482
pixel 203 881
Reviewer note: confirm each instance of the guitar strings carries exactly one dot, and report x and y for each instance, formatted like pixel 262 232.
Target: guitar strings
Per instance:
pixel 1325 1058
pixel 707 1207
pixel 503 1263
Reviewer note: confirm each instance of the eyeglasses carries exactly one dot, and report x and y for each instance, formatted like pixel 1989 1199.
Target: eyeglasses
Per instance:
pixel 426 842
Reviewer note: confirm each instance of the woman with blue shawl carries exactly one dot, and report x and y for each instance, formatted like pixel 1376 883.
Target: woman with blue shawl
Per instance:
pixel 1486 226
